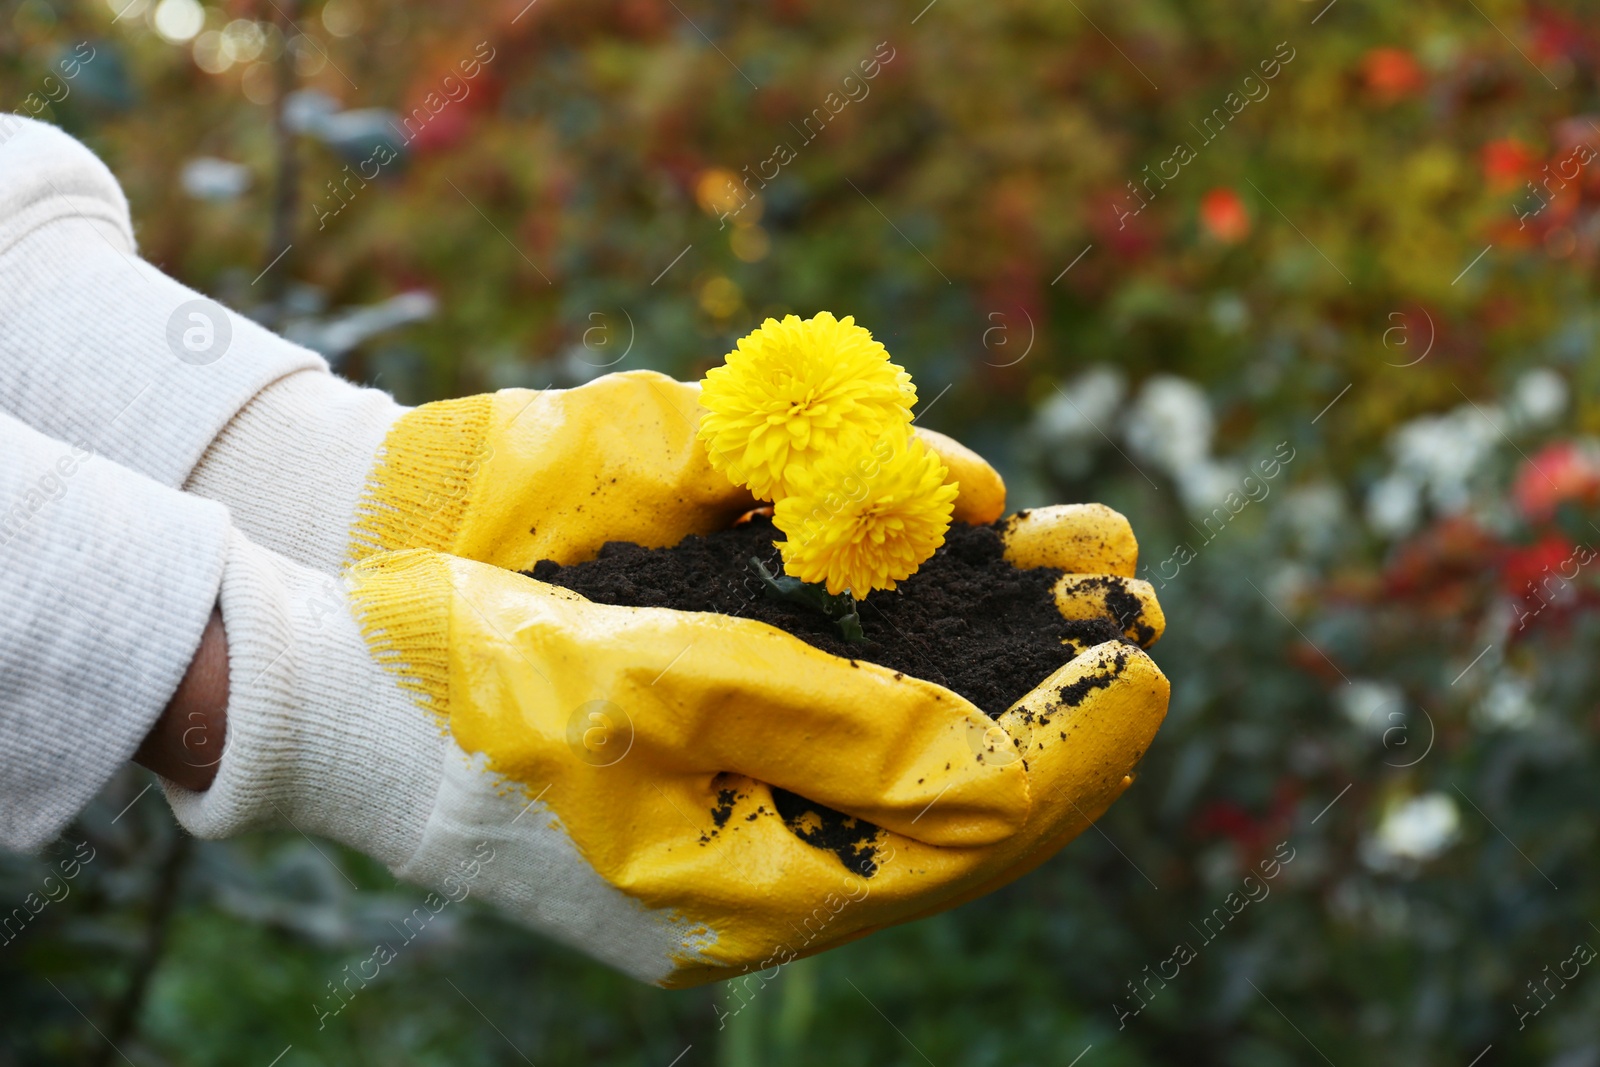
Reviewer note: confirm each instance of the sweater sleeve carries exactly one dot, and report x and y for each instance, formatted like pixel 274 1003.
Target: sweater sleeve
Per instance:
pixel 110 579
pixel 94 341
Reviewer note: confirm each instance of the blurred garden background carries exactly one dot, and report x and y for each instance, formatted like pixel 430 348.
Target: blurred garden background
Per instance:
pixel 1306 289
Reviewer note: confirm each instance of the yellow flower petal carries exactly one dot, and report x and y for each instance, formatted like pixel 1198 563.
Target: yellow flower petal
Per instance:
pixel 868 519
pixel 797 390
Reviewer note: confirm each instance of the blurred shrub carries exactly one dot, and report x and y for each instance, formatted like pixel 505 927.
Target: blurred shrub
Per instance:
pixel 1152 252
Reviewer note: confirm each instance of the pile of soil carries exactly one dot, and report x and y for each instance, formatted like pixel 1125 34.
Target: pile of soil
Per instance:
pixel 967 620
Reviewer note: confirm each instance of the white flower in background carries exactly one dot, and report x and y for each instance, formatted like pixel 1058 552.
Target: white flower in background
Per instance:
pixel 1538 398
pixel 1168 427
pixel 1442 452
pixel 1205 483
pixel 1072 414
pixel 1367 703
pixel 209 178
pixel 1290 584
pixel 1507 704
pixel 1169 424
pixel 1414 831
pixel 1436 457
pixel 359 125
pixel 1072 420
pixel 1316 514
pixel 1394 504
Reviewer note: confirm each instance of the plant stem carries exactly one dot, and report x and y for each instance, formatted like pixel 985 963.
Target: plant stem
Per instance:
pixel 841 607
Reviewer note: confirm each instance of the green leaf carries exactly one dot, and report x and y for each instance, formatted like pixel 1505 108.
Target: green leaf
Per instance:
pixel 841 608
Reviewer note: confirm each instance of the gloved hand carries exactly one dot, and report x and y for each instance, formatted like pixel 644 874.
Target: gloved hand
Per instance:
pixel 654 863
pixel 607 774
pixel 327 473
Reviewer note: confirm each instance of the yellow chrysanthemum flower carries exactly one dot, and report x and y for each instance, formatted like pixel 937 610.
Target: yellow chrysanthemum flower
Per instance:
pixel 866 520
pixel 796 390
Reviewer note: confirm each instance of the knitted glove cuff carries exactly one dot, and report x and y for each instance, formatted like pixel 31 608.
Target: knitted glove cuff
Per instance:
pixel 320 738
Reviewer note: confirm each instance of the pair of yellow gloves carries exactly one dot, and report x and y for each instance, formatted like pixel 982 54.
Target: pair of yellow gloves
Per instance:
pixel 618 764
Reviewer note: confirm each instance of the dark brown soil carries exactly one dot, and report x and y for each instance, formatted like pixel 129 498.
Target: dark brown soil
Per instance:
pixel 967 620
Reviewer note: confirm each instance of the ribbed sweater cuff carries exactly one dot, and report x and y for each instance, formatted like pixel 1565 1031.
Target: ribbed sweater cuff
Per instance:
pixel 292 465
pixel 320 738
pixel 109 580
pixel 98 344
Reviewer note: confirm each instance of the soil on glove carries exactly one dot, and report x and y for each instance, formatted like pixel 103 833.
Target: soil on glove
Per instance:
pixel 967 620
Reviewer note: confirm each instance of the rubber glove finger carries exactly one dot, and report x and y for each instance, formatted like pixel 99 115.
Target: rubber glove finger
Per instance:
pixel 1083 538
pixel 1130 601
pixel 771 897
pixel 1083 730
pixel 1082 733
pixel 711 693
pixel 982 499
pixel 566 470
pixel 885 747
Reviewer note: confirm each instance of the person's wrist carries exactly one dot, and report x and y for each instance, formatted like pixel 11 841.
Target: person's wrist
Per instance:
pixel 320 736
pixel 185 744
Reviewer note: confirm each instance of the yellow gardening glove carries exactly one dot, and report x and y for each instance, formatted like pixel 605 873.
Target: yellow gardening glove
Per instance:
pixel 670 862
pixel 518 476
pixel 327 473
pixel 621 762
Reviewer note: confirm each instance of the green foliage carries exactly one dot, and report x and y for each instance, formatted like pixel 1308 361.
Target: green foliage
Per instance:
pixel 839 608
pixel 1356 650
